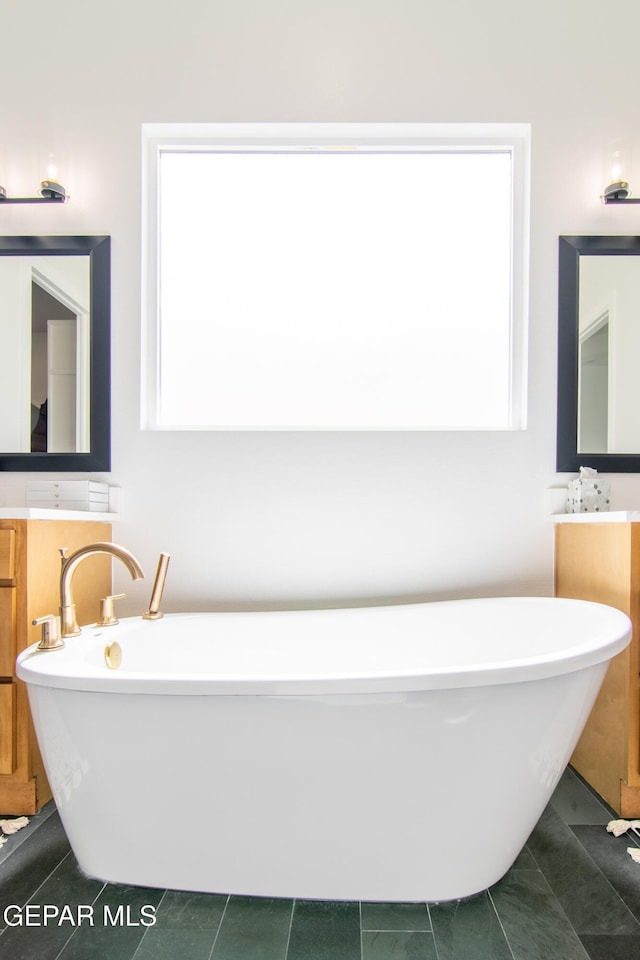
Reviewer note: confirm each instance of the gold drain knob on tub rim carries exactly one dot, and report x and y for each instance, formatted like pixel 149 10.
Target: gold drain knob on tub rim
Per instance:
pixel 113 655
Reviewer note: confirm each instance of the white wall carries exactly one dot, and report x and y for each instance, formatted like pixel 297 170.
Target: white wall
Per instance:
pixel 257 519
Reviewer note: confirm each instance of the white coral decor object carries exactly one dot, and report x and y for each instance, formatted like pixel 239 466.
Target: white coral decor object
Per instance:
pixel 618 827
pixel 12 826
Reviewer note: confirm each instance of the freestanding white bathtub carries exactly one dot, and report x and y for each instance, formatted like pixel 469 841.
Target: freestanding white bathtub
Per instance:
pixel 395 753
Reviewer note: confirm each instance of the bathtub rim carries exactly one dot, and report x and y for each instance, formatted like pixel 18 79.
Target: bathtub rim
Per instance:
pixel 47 668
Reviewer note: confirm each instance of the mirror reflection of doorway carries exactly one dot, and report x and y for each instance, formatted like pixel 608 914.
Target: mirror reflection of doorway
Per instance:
pixel 593 387
pixel 54 361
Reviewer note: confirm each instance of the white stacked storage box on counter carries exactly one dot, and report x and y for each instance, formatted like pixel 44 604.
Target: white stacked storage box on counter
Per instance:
pixel 68 495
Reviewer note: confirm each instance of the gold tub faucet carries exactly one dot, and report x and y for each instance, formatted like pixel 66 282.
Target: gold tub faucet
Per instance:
pixel 68 619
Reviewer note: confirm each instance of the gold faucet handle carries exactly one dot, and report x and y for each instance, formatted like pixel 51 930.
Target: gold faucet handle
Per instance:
pixel 107 611
pixel 50 639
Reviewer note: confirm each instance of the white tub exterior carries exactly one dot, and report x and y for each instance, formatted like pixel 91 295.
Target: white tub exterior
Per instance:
pixel 394 753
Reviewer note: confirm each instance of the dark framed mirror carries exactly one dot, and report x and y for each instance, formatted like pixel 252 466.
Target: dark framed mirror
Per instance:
pixel 598 423
pixel 55 343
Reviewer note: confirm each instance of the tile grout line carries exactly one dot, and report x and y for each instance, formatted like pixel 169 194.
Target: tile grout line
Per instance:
pixel 286 949
pixel 433 932
pixel 48 877
pixel 73 933
pixel 135 954
pixel 604 877
pixel 559 905
pixel 215 939
pixel 499 919
pixel 531 854
pixel 398 929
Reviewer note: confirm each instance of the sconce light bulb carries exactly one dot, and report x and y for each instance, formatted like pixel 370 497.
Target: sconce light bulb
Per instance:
pixel 618 161
pixel 616 167
pixel 50 187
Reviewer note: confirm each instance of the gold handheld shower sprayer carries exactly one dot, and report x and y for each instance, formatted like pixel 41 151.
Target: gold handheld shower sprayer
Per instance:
pixel 154 613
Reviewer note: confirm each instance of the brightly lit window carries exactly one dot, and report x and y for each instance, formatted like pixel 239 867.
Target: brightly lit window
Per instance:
pixel 349 276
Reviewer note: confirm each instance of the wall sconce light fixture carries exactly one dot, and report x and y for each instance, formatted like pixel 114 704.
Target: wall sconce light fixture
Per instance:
pixel 617 162
pixel 51 190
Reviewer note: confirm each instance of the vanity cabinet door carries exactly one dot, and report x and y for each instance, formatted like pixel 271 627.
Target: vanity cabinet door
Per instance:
pixel 7 554
pixel 7 632
pixel 7 728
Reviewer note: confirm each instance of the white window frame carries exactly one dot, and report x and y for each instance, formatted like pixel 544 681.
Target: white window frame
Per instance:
pixel 278 137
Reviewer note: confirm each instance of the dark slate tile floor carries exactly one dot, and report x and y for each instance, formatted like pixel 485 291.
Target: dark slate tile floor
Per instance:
pixel 573 893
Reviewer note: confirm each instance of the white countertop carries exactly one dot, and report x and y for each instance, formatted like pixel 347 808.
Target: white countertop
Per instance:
pixel 610 516
pixel 38 513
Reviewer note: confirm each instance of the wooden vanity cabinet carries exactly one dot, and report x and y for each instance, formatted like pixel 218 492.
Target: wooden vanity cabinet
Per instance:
pixel 30 588
pixel 601 561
